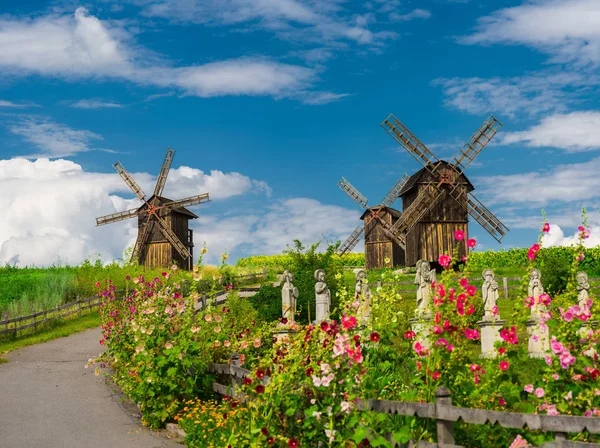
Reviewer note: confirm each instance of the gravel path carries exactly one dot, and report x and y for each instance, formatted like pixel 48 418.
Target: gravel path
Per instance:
pixel 48 399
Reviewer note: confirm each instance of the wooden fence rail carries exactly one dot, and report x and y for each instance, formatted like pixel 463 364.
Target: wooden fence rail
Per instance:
pixel 443 412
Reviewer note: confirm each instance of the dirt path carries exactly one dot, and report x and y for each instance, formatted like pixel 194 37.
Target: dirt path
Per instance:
pixel 48 399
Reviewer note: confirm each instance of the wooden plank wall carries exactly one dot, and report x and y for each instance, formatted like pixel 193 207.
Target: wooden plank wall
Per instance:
pixel 428 240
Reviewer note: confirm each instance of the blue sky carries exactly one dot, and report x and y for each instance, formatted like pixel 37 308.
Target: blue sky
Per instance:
pixel 269 102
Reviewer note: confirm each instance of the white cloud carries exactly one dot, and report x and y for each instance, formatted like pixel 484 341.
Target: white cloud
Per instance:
pixel 557 237
pixel 83 46
pixel 309 20
pixel 568 30
pixel 49 209
pixel 574 132
pixel 569 183
pixel 298 218
pixel 53 139
pixel 414 14
pixel 533 94
pixel 93 104
pixel 10 104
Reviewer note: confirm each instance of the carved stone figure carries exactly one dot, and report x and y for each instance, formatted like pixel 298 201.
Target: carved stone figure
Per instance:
pixel 289 296
pixel 322 296
pixel 583 287
pixel 535 290
pixel 489 292
pixel 363 295
pixel 425 276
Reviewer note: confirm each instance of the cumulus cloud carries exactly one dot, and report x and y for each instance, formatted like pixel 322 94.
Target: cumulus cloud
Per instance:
pixel 49 210
pixel 557 237
pixel 568 30
pixel 283 221
pixel 82 46
pixel 573 132
pixel 414 14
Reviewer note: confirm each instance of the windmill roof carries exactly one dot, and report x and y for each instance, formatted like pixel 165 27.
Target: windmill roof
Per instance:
pixel 391 211
pixel 414 179
pixel 182 210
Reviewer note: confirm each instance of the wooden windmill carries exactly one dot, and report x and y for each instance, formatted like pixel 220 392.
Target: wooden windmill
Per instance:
pixel 164 237
pixel 378 221
pixel 437 200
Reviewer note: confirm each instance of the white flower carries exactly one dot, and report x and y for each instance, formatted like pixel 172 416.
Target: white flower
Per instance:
pixel 346 406
pixel 317 415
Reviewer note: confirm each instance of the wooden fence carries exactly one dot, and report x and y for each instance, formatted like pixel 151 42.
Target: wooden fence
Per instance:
pixel 15 325
pixel 442 412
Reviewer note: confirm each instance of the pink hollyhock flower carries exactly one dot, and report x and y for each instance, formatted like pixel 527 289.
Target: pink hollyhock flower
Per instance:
pixel 539 392
pixel 256 343
pixel 348 322
pixel 528 388
pixel 227 343
pixel 471 310
pixel 464 282
pixel 444 260
pixel 503 365
pixel 474 368
pixel 437 329
pixel 471 290
pixel 546 227
pixel 535 247
pixel 208 318
pixel 476 379
pixel 531 254
pixel 450 348
pixel 502 350
pixel 436 375
pixel 471 242
pixel 495 310
pixel 544 299
pixel 459 235
pixel 529 302
pixel 471 334
pixel 441 341
pixel 581 256
pixel 502 401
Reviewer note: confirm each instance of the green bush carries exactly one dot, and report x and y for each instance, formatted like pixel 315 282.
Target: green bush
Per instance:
pixel 267 303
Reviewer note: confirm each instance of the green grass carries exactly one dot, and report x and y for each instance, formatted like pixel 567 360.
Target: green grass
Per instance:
pixel 58 329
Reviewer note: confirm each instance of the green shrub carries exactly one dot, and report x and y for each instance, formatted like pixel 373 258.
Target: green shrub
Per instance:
pixel 267 303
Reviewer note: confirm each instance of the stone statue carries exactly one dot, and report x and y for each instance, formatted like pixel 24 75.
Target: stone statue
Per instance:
pixel 363 295
pixel 583 287
pixel 425 276
pixel 489 292
pixel 535 289
pixel 289 295
pixel 322 297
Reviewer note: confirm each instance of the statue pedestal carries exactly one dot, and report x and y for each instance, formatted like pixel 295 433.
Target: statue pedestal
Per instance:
pixel 284 333
pixel 539 340
pixel 421 326
pixel 490 333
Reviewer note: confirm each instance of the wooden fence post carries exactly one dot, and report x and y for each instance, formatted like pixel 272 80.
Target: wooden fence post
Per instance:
pixel 79 311
pixel 235 362
pixel 379 283
pixel 505 283
pixel 445 432
pixel 34 324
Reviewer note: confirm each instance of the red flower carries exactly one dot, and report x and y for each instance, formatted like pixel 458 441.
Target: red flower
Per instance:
pixel 293 443
pixel 471 242
pixel 310 371
pixel 464 282
pixel 546 227
pixel 324 326
pixel 436 375
pixel 471 290
pixel 409 334
pixel 444 260
pixel 348 322
pixel 503 365
pixel 260 373
pixel 270 440
pixel 284 321
pixel 259 389
pixel 536 247
pixel 502 350
pixel 265 432
pixel 459 235
pixel 246 381
pixel 374 337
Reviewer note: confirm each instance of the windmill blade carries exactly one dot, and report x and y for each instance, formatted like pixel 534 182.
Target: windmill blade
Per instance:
pixel 475 144
pixel 423 203
pixel 192 200
pixel 143 234
pixel 352 240
pixel 120 216
pixel 394 193
pixel 354 194
pixel 129 181
pixel 398 237
pixel 172 238
pixel 408 141
pixel 164 172
pixel 481 214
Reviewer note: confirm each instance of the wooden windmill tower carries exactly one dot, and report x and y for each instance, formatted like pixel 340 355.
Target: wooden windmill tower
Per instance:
pixel 437 200
pixel 164 237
